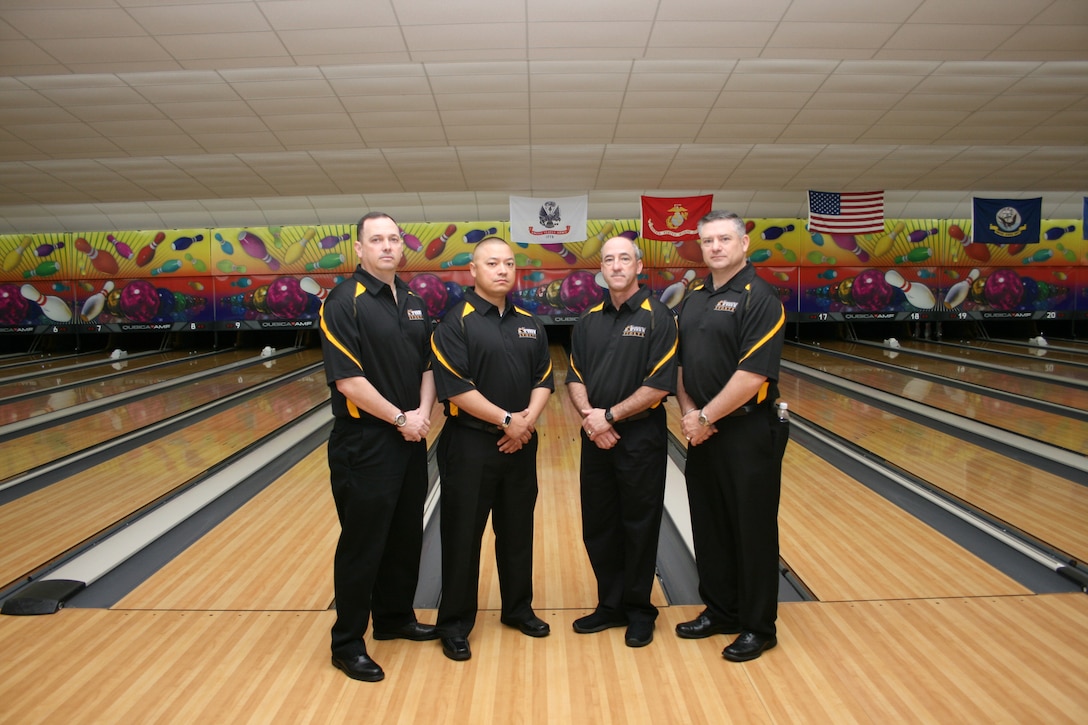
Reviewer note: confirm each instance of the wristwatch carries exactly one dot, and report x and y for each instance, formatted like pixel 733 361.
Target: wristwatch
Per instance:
pixel 608 415
pixel 506 421
pixel 400 420
pixel 703 420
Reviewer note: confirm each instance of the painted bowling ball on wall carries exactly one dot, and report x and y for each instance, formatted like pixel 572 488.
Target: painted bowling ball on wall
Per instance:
pixel 13 306
pixel 870 291
pixel 286 299
pixel 454 293
pixel 139 301
pixel 579 291
pixel 1003 289
pixel 432 291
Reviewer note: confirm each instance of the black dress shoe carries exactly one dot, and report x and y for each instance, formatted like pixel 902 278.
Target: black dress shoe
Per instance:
pixel 359 667
pixel 703 626
pixel 456 648
pixel 748 646
pixel 414 631
pixel 639 634
pixel 598 621
pixel 534 626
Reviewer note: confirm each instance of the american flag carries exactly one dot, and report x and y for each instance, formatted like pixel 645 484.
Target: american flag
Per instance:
pixel 853 212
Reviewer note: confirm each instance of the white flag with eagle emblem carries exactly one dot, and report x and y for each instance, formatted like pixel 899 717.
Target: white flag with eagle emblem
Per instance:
pixel 548 220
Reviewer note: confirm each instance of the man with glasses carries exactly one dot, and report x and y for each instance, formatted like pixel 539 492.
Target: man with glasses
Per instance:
pixel 622 366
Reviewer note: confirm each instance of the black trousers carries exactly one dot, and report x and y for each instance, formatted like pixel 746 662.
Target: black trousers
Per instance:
pixel 477 480
pixel 379 483
pixel 623 491
pixel 734 482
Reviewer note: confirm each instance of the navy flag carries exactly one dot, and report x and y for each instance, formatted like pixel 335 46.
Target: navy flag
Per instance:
pixel 1007 221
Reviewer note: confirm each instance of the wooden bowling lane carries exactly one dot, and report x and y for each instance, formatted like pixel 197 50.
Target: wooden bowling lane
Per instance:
pixel 42 363
pixel 1048 507
pixel 102 381
pixel 1048 427
pixel 1012 659
pixel 39 447
pixel 299 503
pixel 825 358
pixel 274 554
pixel 848 543
pixel 1055 353
pixel 43 524
pixel 967 354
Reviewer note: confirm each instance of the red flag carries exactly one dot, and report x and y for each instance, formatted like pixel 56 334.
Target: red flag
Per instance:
pixel 846 213
pixel 674 219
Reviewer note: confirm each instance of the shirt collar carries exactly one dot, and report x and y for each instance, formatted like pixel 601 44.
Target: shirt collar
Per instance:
pixel 376 286
pixel 632 303
pixel 737 282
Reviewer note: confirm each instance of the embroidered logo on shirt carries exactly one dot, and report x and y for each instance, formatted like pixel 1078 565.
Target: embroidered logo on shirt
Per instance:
pixel 416 315
pixel 634 331
pixel 528 333
pixel 726 306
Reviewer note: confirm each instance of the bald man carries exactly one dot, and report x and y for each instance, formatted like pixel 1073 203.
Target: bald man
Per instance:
pixel 493 374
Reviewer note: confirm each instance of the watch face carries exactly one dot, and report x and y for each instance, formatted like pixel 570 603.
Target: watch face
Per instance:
pixel 703 420
pixel 400 420
pixel 608 415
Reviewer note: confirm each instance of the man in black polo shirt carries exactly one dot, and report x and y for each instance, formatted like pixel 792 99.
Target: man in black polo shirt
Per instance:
pixel 622 365
pixel 374 336
pixel 493 372
pixel 732 328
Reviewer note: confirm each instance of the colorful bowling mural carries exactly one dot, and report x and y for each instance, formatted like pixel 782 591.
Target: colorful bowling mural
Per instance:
pixel 276 277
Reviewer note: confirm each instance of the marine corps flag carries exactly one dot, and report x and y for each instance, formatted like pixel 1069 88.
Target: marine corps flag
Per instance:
pixel 674 219
pixel 1006 221
pixel 549 220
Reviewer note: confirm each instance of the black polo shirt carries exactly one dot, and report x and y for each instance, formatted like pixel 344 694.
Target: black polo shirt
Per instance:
pixel 503 356
pixel 614 352
pixel 365 333
pixel 739 326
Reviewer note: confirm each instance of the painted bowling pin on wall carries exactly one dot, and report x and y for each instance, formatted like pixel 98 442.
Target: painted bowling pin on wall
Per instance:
pixel 918 295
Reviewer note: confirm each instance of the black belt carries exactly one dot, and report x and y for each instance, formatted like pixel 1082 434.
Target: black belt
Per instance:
pixel 636 416
pixel 477 424
pixel 745 410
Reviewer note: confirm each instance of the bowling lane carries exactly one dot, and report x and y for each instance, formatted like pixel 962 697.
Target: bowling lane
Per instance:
pixel 58 392
pixel 42 525
pixel 50 363
pixel 848 543
pixel 1050 508
pixel 1014 348
pixel 36 448
pixel 239 566
pixel 1051 392
pixel 970 353
pixel 1052 428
